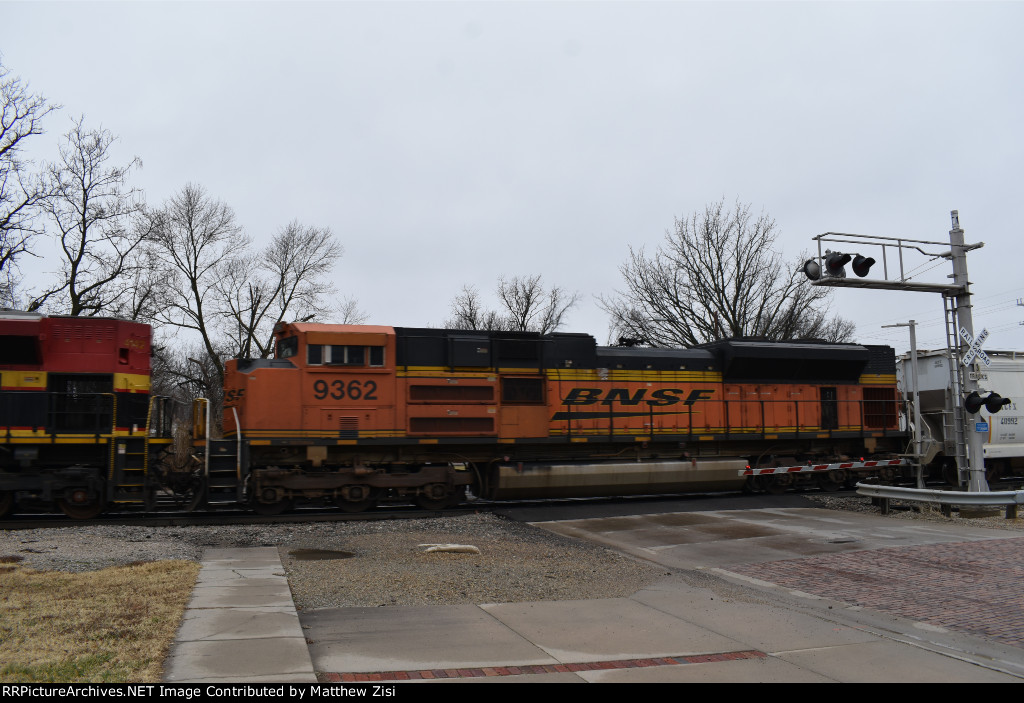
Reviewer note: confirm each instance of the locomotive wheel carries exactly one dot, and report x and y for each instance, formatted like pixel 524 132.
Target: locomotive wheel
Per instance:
pixel 779 483
pixel 832 480
pixel 6 503
pixel 356 499
pixel 435 496
pixel 79 505
pixel 756 484
pixel 828 484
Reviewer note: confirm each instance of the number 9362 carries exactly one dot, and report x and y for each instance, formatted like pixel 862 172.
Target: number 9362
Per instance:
pixel 340 389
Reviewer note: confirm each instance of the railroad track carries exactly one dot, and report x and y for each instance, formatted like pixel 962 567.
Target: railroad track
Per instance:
pixel 229 517
pixel 232 516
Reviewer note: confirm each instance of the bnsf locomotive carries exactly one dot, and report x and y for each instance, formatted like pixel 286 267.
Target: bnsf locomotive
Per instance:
pixel 357 414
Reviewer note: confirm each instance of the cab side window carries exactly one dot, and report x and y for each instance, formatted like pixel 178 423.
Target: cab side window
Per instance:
pixel 343 355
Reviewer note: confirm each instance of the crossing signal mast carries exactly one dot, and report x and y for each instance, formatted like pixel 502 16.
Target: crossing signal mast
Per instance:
pixel 828 268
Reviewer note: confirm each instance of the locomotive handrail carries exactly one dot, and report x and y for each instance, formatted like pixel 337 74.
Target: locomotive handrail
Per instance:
pixel 204 404
pixel 159 420
pixel 238 446
pixel 867 417
pixel 206 454
pixel 113 433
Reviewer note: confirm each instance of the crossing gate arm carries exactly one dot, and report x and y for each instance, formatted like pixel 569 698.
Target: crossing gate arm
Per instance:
pixel 820 468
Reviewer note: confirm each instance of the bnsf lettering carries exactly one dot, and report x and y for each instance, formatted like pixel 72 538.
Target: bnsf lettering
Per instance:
pixel 698 395
pixel 582 396
pixel 665 396
pixel 623 396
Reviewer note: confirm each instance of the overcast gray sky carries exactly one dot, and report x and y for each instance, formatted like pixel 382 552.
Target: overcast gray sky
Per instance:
pixel 448 143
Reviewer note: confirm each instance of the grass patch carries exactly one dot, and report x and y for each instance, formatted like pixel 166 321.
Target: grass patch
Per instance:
pixel 115 625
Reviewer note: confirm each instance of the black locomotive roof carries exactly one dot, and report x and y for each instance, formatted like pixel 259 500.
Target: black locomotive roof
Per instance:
pixel 657 359
pixel 418 346
pixel 736 359
pixel 757 360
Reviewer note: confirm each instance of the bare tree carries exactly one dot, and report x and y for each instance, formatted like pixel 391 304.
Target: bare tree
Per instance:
pixel 527 306
pixel 348 312
pixel 185 372
pixel 98 228
pixel 468 313
pixel 232 298
pixel 531 306
pixel 717 276
pixel 193 235
pixel 21 115
pixel 287 279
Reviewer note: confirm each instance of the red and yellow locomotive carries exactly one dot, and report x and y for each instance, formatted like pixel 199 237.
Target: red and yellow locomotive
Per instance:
pixel 75 412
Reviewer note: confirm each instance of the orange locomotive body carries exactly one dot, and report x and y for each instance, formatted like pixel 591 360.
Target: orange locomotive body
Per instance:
pixel 355 414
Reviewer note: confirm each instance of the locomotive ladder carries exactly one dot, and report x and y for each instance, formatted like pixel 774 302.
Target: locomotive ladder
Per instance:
pixel 222 459
pixel 953 418
pixel 223 485
pixel 129 464
pixel 128 470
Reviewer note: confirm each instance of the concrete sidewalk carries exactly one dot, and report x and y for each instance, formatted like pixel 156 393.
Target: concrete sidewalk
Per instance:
pixel 670 632
pixel 241 625
pixel 724 623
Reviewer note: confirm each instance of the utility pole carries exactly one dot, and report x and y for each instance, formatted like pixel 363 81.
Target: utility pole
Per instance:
pixel 975 443
pixel 912 387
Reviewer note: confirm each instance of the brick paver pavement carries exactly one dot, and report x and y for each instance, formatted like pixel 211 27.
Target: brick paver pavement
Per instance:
pixel 973 587
pixel 535 669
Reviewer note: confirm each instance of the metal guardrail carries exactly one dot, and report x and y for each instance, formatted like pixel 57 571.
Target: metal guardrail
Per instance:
pixel 1008 499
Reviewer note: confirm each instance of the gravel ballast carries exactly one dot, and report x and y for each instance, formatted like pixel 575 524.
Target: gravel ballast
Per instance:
pixel 382 563
pixel 387 566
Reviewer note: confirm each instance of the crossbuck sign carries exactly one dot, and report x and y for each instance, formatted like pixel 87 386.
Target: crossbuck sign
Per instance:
pixel 975 350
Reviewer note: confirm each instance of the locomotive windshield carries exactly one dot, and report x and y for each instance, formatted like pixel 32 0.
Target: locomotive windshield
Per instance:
pixel 289 346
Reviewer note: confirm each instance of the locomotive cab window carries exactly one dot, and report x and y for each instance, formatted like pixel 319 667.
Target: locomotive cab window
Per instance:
pixel 343 355
pixel 287 347
pixel 20 349
pixel 346 355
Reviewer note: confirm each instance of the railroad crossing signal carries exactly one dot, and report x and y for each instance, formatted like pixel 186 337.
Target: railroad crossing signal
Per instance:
pixel 862 264
pixel 835 263
pixel 975 350
pixel 993 402
pixel 969 446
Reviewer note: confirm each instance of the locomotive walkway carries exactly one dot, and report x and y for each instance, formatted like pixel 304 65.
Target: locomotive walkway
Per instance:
pixel 786 595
